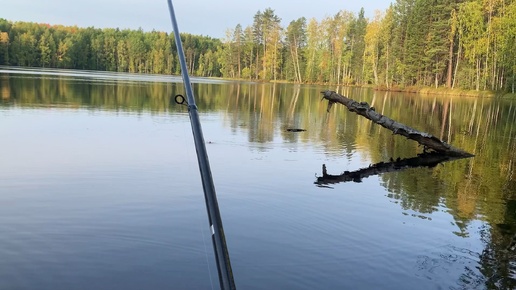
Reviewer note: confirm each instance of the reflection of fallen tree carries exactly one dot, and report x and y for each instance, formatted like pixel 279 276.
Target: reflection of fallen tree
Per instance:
pixel 363 109
pixel 423 160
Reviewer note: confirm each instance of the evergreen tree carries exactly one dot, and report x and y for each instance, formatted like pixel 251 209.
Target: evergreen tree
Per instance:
pixel 357 34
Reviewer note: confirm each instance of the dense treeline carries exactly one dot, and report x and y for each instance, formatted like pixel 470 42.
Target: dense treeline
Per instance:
pixel 440 43
pixel 42 45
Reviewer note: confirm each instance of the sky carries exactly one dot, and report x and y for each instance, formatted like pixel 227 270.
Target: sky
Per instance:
pixel 199 17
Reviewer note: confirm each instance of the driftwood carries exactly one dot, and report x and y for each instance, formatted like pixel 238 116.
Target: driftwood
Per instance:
pixel 423 160
pixel 363 109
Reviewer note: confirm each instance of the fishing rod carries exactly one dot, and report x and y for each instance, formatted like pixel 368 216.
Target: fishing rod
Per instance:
pixel 210 197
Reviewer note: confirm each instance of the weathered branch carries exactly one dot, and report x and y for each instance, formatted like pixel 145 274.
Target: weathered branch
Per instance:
pixel 425 139
pixel 423 160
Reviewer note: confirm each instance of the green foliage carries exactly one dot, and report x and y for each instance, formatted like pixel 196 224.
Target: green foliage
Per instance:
pixel 357 34
pixel 466 44
pixel 31 44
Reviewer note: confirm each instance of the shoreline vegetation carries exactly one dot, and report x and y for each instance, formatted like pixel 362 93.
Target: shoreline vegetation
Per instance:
pixel 449 92
pixel 411 90
pixel 443 91
pixel 448 47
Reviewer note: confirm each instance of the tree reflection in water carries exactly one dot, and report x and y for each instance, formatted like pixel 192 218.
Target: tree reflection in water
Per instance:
pixel 482 188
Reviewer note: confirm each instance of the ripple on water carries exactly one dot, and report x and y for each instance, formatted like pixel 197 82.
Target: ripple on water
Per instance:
pixel 64 245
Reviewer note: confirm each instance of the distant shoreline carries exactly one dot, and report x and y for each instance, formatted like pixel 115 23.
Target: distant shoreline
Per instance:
pixel 414 89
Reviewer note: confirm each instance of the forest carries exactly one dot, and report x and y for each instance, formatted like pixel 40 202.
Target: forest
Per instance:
pixel 414 43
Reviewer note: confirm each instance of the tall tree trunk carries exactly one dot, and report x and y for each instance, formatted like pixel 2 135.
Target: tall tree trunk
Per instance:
pixel 436 76
pixel 477 85
pixel 239 61
pixel 339 65
pixel 387 67
pixel 298 66
pixel 375 73
pixel 294 63
pixel 256 69
pixel 456 65
pixel 450 66
pixel 494 73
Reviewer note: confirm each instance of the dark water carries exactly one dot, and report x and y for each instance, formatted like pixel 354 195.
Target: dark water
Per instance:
pixel 99 187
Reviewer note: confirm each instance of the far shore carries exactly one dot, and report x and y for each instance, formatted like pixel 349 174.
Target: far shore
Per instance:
pixel 411 89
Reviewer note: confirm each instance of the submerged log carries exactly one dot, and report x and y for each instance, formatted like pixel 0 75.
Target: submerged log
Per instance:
pixel 423 160
pixel 295 130
pixel 363 109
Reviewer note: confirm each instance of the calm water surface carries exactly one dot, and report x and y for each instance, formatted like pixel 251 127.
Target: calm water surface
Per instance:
pixel 99 187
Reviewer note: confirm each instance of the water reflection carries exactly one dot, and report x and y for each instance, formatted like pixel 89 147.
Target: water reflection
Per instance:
pixel 482 188
pixel 429 160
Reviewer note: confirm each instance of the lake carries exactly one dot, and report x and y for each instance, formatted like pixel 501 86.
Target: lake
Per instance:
pixel 100 187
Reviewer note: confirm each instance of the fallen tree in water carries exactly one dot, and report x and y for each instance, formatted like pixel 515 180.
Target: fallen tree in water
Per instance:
pixel 422 160
pixel 363 109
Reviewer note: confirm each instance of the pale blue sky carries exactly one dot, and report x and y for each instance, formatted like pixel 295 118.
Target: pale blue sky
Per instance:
pixel 201 17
